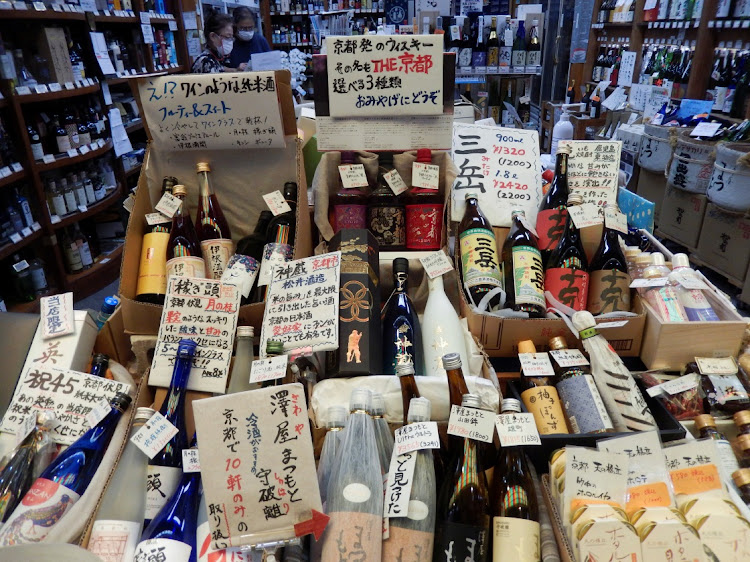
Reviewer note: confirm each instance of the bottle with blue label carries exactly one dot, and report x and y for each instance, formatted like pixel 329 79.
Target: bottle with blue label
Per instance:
pixel 693 300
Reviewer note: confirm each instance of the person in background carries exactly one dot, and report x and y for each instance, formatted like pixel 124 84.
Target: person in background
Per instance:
pixel 248 39
pixel 219 37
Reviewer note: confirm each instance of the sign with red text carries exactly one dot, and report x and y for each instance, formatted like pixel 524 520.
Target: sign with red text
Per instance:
pixel 385 75
pixel 501 167
pixel 205 311
pixel 257 465
pixel 593 169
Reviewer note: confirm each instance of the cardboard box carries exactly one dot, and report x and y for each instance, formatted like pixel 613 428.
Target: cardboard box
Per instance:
pixel 53 46
pixel 112 339
pixel 724 242
pixel 682 216
pixel 652 186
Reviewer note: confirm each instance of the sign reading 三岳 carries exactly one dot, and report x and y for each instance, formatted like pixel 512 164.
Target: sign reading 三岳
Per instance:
pixel 384 75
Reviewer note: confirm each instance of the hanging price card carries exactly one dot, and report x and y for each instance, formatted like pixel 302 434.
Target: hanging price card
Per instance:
pixel 675 386
pixel 585 215
pixel 716 365
pixel 156 218
pixel 268 369
pixel 276 202
pixel 536 364
pixel 616 221
pixel 27 425
pixel 593 169
pixel 154 435
pixel 353 175
pixel 191 461
pixel 415 436
pixel 425 175
pixel 436 264
pixel 569 357
pixel 168 204
pixel 395 182
pixel 98 412
pixel 472 423
pixel 517 429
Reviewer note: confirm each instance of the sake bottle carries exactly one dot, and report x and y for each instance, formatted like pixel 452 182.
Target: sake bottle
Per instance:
pixel 553 210
pixel 383 436
pixel 118 523
pixel 411 538
pixel 402 335
pixel 386 213
pixel 331 446
pixel 441 329
pixel 608 274
pixel 523 269
pixel 424 211
pixel 409 390
pixel 355 490
pixel 211 226
pixel 541 398
pixel 239 380
pixel 184 256
pixel 348 206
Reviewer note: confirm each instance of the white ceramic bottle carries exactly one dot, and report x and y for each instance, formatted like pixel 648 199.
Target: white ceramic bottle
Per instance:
pixel 441 330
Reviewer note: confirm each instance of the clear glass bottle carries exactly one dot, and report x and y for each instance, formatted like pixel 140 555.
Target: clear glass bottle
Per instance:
pixel 441 329
pixel 70 197
pixel 58 199
pixel 336 422
pixel 694 301
pixel 72 253
pixel 84 249
pixel 239 380
pixel 383 435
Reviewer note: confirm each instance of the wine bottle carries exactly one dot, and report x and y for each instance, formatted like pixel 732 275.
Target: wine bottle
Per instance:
pixel 165 468
pixel 513 503
pixel 506 45
pixel 37 149
pixel 523 270
pixel 479 54
pixel 409 390
pixel 566 276
pixel 402 335
pixel 383 436
pixel 441 329
pixel 386 215
pixel 72 253
pixel 211 227
pixel 348 206
pixel 480 264
pixel 412 537
pixel 534 49
pixel 282 228
pixel 608 275
pixel 355 490
pixel 63 482
pixel 184 256
pixel 493 45
pixel 252 244
pixel 541 398
pixel 519 46
pixel 570 94
pixel 99 365
pixel 462 507
pixel 508 119
pixel 465 52
pixel 119 520
pixel 239 380
pixel 83 247
pixel 424 213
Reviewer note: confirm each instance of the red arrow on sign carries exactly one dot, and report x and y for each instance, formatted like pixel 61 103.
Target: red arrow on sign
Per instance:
pixel 316 525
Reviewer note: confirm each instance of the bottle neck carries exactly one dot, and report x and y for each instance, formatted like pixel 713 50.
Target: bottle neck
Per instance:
pixel 561 165
pixel 174 404
pixel 204 185
pixel 436 285
pixel 400 282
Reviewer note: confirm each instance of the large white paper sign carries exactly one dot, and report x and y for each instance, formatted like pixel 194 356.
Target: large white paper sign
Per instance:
pixel 205 311
pixel 593 169
pixel 384 75
pixel 213 111
pixel 501 166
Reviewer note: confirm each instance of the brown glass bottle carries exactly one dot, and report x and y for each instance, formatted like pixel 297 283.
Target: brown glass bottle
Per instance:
pixel 609 289
pixel 723 393
pixel 706 426
pixel 523 270
pixel 742 422
pixel 386 215
pixel 743 449
pixel 211 226
pixel 409 390
pixel 741 479
pixel 275 348
pixel 184 256
pixel 541 399
pixel 424 212
pixel 348 206
pixel 553 210
pixel 252 244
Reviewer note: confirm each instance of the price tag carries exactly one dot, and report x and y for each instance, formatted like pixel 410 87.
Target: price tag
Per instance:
pixel 16 167
pixel 48 158
pixel 398 485
pixel 148 33
pixel 26 232
pixel 36 226
pixel 41 88
pixel 5 172
pixel 585 215
pixel 395 182
pixel 98 412
pixel 56 8
pixel 172 25
pixel 415 436
pixel 82 208
pixel 73 152
pixel 716 365
pixel 54 219
pixel 191 461
pixel 55 87
pixel 84 149
pixel 168 204
pixel 127 204
pixel 569 357
pixel 23 90
pixel 425 175
pixel 145 17
pixel 675 386
pixel 100 143
pixel 436 264
pixel 28 423
pixel 689 281
pixel 655 282
pixel 517 429
pixel 616 221
pixel 154 435
pixel 20 6
pixel 536 364
pixel 705 129
pixel 605 325
pixel 16 238
pixel 156 218
pixel 276 203
pixel 353 175
pixel 472 423
pixel 69 86
pixel 268 369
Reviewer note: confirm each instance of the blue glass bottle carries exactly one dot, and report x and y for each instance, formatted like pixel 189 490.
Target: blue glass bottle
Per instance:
pixel 165 469
pixel 63 482
pixel 99 365
pixel 402 336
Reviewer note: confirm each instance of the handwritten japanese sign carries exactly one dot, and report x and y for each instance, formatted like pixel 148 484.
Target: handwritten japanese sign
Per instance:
pixel 213 111
pixel 517 429
pixel 69 395
pixel 203 310
pixel 501 166
pixel 257 466
pixel 384 75
pixel 57 315
pixel 593 169
pixel 302 304
pixel 398 485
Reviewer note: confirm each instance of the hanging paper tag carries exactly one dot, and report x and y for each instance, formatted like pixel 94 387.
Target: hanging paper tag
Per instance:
pixel 528 226
pixel 517 429
pixel 398 484
pixel 716 365
pixel 690 281
pixel 436 264
pixel 705 129
pixel 536 364
pixel 425 175
pixel 57 315
pixel 655 282
pixel 168 204
pixel 585 215
pixel 98 412
pixel 472 423
pixel 415 436
pixel 156 218
pixel 27 426
pixel 616 221
pixel 353 175
pixel 268 369
pixel 569 357
pixel 191 461
pixel 675 386
pixel 154 435
pixel 276 202
pixel 395 182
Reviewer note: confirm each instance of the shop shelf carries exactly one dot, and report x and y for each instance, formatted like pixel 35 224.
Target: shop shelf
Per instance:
pixel 28 307
pixel 110 18
pixel 133 127
pixel 10 249
pixel 86 282
pixel 31 14
pixel 62 94
pixel 14 177
pixel 70 161
pixel 97 207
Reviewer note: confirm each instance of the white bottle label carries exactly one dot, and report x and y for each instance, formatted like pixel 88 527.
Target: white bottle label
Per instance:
pixel 186 266
pixel 90 195
pixel 37 151
pixel 162 549
pixel 74 257
pixel 59 203
pixel 81 196
pixel 533 58
pixel 63 143
pixel 516 539
pixel 85 252
pixel 161 483
pixel 114 541
pixel 726 457
pixel 216 254
pixel 70 201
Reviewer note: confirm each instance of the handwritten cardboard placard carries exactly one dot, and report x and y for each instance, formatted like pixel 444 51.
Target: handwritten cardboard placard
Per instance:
pixel 230 111
pixel 70 395
pixel 205 311
pixel 384 75
pixel 593 169
pixel 501 166
pixel 302 304
pixel 57 315
pixel 257 465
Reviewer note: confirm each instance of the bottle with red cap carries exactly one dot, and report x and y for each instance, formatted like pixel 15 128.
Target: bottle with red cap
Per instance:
pixel 424 212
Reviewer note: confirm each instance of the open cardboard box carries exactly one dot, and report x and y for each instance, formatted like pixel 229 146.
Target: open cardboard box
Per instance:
pixel 239 179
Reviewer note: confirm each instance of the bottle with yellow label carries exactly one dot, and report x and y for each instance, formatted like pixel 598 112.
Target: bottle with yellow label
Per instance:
pixel 522 268
pixel 152 272
pixel 541 398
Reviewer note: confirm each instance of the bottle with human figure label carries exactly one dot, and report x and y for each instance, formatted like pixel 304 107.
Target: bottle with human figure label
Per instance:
pixel 211 226
pixel 184 256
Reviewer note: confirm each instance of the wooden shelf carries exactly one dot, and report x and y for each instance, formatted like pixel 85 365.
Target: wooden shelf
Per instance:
pixel 115 19
pixel 14 177
pixel 133 127
pixel 62 94
pixel 86 279
pixel 32 14
pixel 92 210
pixel 10 249
pixel 133 170
pixel 28 307
pixel 70 161
pixel 123 80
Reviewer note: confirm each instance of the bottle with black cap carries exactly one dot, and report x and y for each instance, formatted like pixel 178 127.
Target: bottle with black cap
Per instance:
pixel 402 336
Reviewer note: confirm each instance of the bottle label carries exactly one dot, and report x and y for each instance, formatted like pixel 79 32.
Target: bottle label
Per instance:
pixel 186 266
pixel 506 54
pixel 528 276
pixel 349 216
pixel 568 286
pixel 273 253
pixel 70 201
pixel 207 554
pixel 533 58
pixel 114 541
pixel 479 58
pixel 493 56
pixel 85 252
pixel 162 549
pixel 37 150
pixel 161 483
pixel 58 202
pixel 89 187
pixel 84 138
pixel 216 254
pixel 353 536
pixel 479 260
pixel 519 58
pixel 464 56
pixel 28 523
pixel 152 273
pixel 73 255
pixel 697 306
pixel 550 225
pixel 665 302
pixel 609 291
pixel 38 279
pixel 544 403
pixel 408 545
pixel 63 143
pixel 583 404
pixel 456 542
pixel 515 539
pixel 81 196
pixel 727 389
pixel 388 225
pixel 424 226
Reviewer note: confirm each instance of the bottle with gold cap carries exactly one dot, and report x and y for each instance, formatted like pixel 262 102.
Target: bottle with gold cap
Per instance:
pixel 184 257
pixel 541 398
pixel 743 450
pixel 706 426
pixel 741 479
pixel 641 261
pixel 742 422
pixel 211 226
pixel 583 405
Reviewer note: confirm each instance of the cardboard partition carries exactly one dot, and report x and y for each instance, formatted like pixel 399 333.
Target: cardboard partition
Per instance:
pixel 682 215
pixel 112 339
pixel 724 242
pixel 652 186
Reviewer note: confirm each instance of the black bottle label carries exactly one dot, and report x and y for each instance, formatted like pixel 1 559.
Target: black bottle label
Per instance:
pixel 461 543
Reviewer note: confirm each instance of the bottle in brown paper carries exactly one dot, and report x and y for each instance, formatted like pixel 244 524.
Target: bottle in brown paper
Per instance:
pixel 541 398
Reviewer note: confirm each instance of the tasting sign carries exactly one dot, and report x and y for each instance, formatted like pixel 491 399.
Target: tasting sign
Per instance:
pixel 593 169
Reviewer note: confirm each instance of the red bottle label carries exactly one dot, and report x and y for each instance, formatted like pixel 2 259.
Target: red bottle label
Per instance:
pixel 550 225
pixel 349 216
pixel 424 226
pixel 568 286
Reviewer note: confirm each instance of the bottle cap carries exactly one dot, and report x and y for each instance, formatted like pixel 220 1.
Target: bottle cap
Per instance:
pixel 451 361
pixel 202 167
pixel 420 409
pixel 144 414
pixel 361 399
pixel 179 190
pixel 266 214
pixel 743 442
pixel 245 331
pixel 403 369
pixel 518 212
pixel 186 348
pixel 385 158
pixel 704 420
pixel 471 401
pixel 642 259
pixel 100 358
pixel 575 199
pixel 424 155
pixel 510 405
pixel 741 418
pixel 336 416
pixel 526 346
pixel 658 259
pixel 121 401
pixel 109 305
pixel 652 274
pixel 632 252
pixel 400 265
pixel 274 347
pixel 347 157
pixel 291 185
pixel 564 149
pixel 741 477
pixel 470 195
pixel 680 260
pixel 558 343
pixel 378 404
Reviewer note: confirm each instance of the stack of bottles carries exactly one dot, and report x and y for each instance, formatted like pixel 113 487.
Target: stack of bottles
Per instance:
pixel 163 48
pixel 24 69
pixel 125 48
pixel 28 277
pixel 66 126
pixel 80 187
pixel 278 7
pixel 729 85
pixel 296 35
pixel 16 216
pixel 668 66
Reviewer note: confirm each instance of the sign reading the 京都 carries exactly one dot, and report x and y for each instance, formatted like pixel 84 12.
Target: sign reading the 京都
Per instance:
pixel 385 75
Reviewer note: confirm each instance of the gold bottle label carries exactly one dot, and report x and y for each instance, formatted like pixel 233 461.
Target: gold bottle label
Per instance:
pixel 152 273
pixel 544 403
pixel 186 266
pixel 515 539
pixel 216 254
pixel 481 265
pixel 609 291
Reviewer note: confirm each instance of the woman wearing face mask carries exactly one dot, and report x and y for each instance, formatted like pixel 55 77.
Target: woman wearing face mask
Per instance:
pixel 218 33
pixel 248 39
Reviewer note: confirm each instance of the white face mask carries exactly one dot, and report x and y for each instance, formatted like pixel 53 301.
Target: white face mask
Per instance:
pixel 245 35
pixel 226 46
